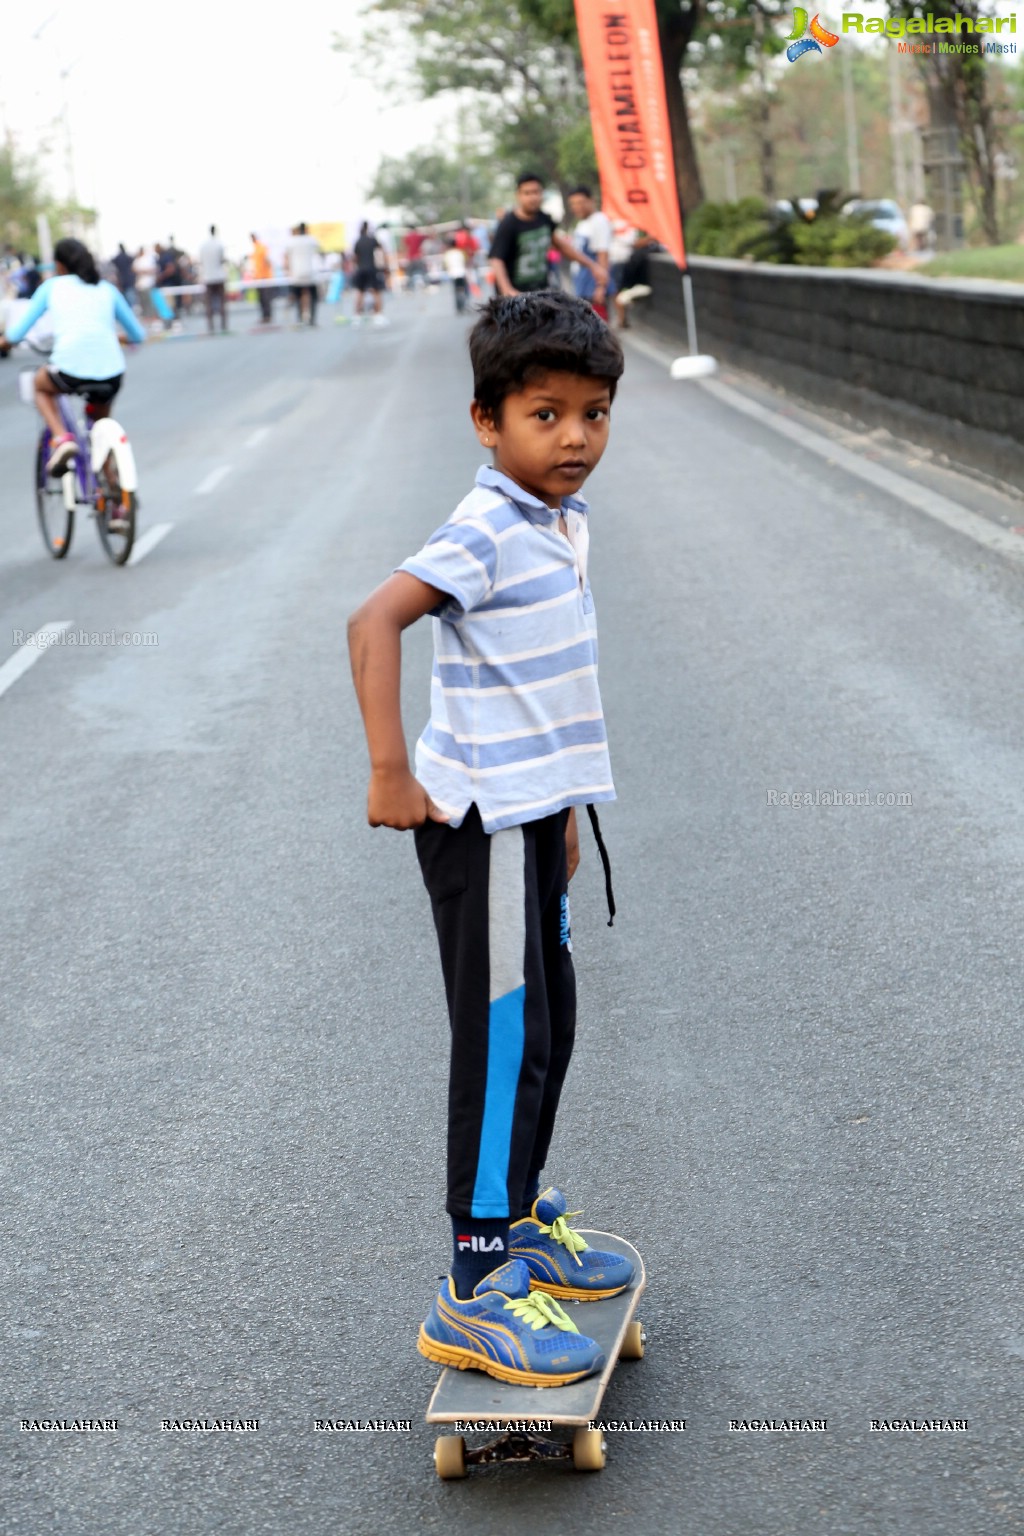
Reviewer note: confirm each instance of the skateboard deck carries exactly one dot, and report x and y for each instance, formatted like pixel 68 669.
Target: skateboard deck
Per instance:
pixel 526 1416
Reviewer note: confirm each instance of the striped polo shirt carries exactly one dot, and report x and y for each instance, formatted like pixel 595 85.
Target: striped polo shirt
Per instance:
pixel 516 723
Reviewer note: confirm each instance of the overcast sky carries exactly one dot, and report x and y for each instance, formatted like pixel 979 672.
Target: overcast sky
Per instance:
pixel 241 116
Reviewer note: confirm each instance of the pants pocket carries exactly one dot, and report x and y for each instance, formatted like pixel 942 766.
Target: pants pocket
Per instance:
pixel 443 853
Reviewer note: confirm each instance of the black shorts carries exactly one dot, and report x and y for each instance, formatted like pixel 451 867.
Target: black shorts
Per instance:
pixel 96 391
pixel 368 282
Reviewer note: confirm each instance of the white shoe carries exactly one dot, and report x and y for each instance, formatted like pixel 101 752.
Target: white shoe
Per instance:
pixel 381 320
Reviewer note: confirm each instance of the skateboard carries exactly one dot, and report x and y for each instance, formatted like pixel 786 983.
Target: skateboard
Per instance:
pixel 529 1415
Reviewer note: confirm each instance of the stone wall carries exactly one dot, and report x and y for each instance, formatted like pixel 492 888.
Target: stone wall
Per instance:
pixel 940 362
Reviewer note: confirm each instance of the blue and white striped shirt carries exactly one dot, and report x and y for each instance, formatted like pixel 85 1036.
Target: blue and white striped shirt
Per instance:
pixel 516 723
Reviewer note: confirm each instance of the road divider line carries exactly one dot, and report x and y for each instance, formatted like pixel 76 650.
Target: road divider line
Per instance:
pixel 940 508
pixel 257 437
pixel 150 539
pixel 28 654
pixel 212 480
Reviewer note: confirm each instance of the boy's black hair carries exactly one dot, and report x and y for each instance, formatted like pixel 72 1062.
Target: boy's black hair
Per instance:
pixel 525 176
pixel 523 335
pixel 581 191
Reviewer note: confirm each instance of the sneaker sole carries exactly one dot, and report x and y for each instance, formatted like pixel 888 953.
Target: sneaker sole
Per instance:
pixel 573 1293
pixel 465 1360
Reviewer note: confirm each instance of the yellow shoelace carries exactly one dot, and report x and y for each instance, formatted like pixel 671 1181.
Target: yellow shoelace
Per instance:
pixel 539 1310
pixel 562 1233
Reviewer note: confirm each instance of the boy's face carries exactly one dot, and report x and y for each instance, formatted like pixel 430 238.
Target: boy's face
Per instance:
pixel 552 434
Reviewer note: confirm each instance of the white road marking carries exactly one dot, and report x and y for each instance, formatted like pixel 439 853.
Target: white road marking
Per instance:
pixel 257 437
pixel 212 480
pixel 1001 540
pixel 149 541
pixel 29 654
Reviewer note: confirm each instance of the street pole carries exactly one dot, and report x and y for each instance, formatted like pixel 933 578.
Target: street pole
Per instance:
pixel 897 127
pixel 764 109
pixel 852 156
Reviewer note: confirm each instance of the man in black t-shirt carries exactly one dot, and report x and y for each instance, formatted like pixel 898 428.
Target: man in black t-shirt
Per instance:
pixel 369 274
pixel 519 250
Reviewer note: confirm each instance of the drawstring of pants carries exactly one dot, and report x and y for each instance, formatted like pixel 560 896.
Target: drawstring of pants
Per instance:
pixel 606 861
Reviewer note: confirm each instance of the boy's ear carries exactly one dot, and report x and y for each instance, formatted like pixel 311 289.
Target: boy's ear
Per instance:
pixel 483 421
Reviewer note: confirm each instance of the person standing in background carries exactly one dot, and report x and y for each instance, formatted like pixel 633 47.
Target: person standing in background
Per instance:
pixel 301 262
pixel 519 250
pixel 455 266
pixel 125 269
pixel 262 271
pixel 368 277
pixel 593 235
pixel 213 271
pixel 144 268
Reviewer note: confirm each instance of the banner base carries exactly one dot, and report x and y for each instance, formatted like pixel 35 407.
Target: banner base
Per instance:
pixel 697 366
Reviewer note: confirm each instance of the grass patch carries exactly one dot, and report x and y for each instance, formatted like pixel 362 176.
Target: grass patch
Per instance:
pixel 1003 262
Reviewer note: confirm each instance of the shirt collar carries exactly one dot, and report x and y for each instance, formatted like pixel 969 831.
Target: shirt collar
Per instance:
pixel 531 506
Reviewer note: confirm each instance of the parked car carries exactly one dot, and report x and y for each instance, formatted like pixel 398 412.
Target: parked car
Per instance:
pixel 883 213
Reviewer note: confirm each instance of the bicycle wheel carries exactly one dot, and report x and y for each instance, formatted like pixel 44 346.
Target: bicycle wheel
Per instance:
pixel 56 521
pixel 113 505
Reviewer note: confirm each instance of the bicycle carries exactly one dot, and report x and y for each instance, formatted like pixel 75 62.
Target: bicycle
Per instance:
pixel 100 477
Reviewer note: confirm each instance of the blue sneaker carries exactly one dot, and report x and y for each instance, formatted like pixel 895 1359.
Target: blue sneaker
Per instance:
pixel 509 1333
pixel 558 1259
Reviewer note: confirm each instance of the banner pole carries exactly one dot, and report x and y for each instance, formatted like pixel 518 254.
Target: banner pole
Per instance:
pixel 691 318
pixel 694 365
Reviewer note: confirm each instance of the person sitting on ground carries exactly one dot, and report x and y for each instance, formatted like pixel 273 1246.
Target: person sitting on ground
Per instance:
pixel 87 359
pixel 636 277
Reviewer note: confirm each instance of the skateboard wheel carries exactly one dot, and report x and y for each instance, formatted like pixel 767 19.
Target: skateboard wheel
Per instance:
pixel 634 1341
pixel 450 1456
pixel 588 1450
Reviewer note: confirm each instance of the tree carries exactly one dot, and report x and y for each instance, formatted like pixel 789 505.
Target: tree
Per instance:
pixel 499 50
pixel 22 199
pixel 433 188
pixel 958 93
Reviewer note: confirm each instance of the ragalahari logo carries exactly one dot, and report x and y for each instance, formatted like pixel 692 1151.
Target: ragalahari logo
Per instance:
pixel 820 37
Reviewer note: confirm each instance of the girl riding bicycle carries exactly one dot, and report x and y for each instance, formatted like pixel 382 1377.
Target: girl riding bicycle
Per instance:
pixel 85 313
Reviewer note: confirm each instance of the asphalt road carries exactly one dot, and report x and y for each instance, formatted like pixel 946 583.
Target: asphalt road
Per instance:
pixel 798 1081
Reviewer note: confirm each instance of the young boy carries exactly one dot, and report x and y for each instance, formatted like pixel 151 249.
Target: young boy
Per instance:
pixel 516 740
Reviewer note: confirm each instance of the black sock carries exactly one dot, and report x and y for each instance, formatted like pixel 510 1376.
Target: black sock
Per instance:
pixel 478 1247
pixel 530 1193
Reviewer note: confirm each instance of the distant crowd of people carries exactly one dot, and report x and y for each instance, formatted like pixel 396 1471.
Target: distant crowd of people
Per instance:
pixel 519 250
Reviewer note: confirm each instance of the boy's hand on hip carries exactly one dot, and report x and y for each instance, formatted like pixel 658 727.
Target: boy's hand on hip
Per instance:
pixel 398 800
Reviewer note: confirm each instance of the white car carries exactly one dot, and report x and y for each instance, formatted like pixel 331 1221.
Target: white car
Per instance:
pixel 883 213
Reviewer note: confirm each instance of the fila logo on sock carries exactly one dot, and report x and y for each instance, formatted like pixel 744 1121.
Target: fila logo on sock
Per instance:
pixel 480 1244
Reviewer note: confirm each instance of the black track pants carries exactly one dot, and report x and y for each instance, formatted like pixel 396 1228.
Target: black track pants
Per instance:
pixel 501 910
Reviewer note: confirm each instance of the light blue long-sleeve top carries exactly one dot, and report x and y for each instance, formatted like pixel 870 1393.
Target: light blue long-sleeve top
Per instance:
pixel 85 317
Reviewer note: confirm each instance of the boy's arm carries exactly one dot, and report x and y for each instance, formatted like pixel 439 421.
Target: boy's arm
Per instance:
pixel 396 799
pixel 572 843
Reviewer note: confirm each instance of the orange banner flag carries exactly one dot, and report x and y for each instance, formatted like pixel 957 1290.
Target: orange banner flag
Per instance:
pixel 626 87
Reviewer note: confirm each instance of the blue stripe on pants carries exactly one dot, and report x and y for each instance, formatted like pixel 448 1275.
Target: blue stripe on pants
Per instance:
pixel 505 1038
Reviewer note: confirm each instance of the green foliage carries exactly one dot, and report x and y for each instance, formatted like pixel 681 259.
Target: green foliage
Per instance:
pixel 519 55
pixel 724 229
pixel 831 241
pixel 21 199
pixel 1005 263
pixel 750 230
pixel 432 187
